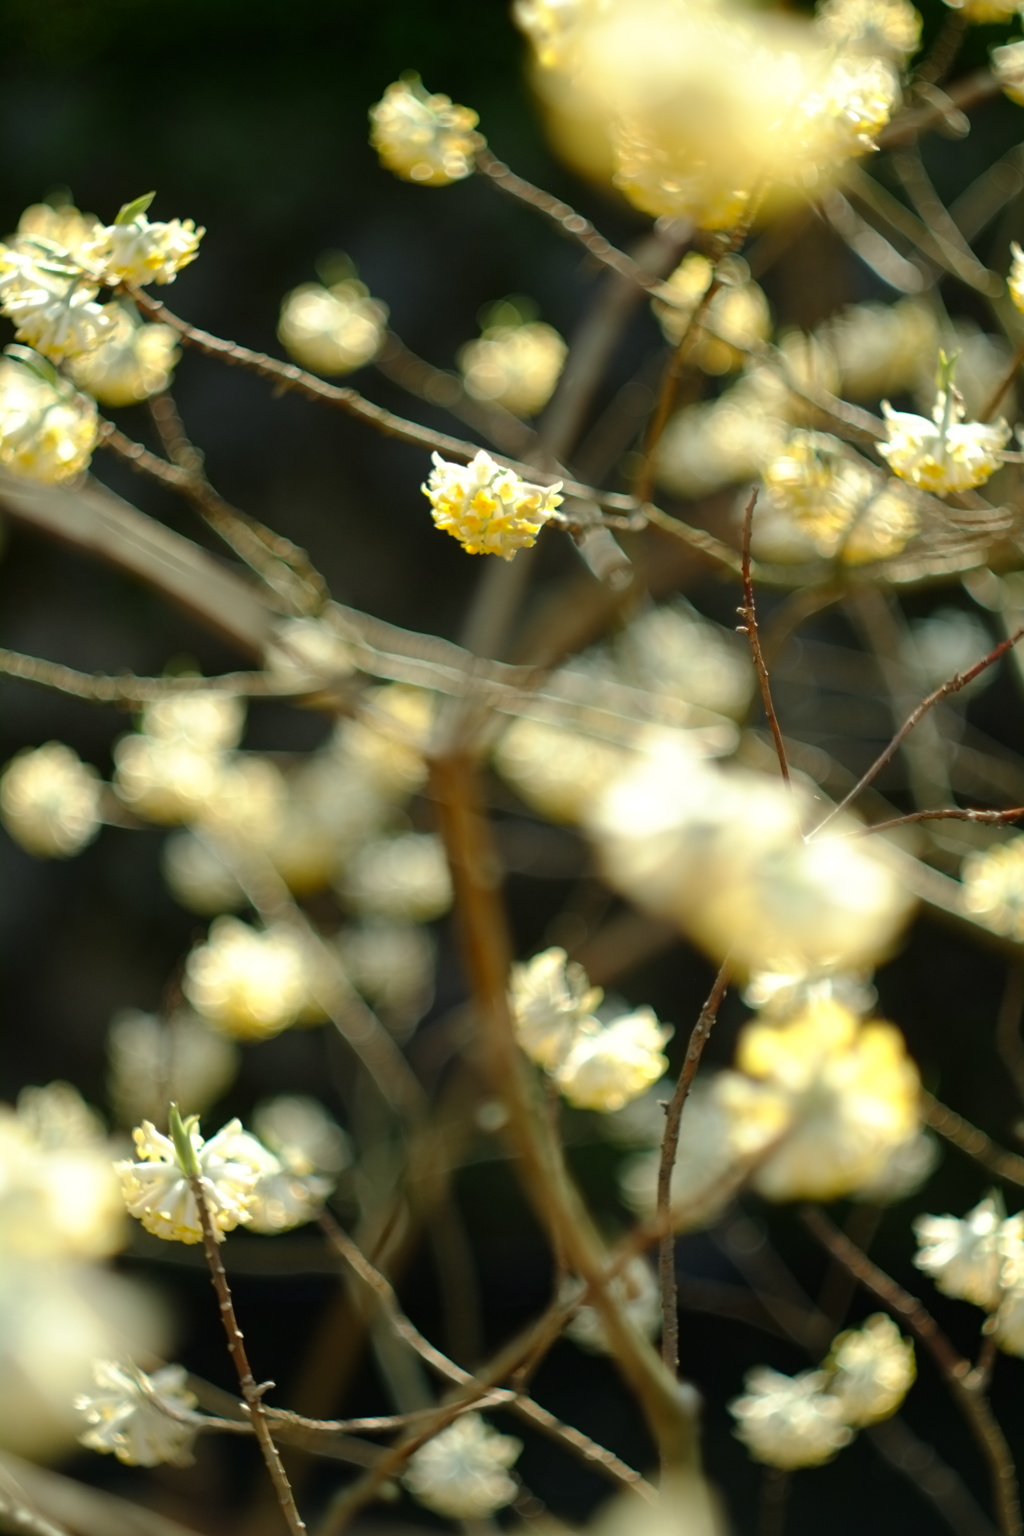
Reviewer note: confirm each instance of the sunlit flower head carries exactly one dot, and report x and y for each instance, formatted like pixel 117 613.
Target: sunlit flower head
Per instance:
pixel 738 312
pixel 47 429
pixel 789 1421
pixel 550 998
pixel 837 501
pixel 308 653
pixel 287 1193
pixel 247 803
pixel 1007 1323
pixel 965 1257
pixel 993 886
pixel 248 983
pixel 56 227
pixel 1008 68
pixel 986 12
pixel 945 453
pixel 52 307
pixel 144 1420
pixel 157 1190
pixel 151 1062
pixel 609 1064
pixel 462 1473
pixel 637 1293
pixel 391 964
pixel 851 1094
pixel 404 878
pixel 58 1195
pixel 423 138
pixel 132 250
pixel 332 330
pixel 515 362
pixel 209 719
pixel 133 360
pixel 302 1134
pixel 50 801
pixel 164 779
pixel 891 28
pixel 721 853
pixel 871 1369
pixel 490 510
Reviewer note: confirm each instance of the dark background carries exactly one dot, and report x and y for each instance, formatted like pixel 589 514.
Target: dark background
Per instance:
pixel 251 119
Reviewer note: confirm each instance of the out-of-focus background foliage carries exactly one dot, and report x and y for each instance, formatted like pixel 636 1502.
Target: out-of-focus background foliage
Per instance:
pixel 250 117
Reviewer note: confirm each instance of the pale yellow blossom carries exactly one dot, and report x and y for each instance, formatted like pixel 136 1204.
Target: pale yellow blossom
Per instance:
pixel 167 780
pixel 249 984
pixel 1008 68
pixel 208 719
pixel 50 800
pixel 965 1258
pixel 837 501
pixel 422 137
pixel 144 1419
pixel 332 330
pixel 132 250
pixel 462 1472
pixel 47 429
pixel 490 510
pixel 515 362
pixel 550 998
pixel 789 1421
pixel 404 877
pixel 134 360
pixel 738 312
pixel 287 1192
pixel 993 886
pixel 851 1094
pixel 607 1065
pixel 888 27
pixel 945 453
pixel 157 1190
pixel 871 1369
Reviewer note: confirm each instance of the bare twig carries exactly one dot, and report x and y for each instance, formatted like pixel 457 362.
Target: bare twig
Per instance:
pixel 748 613
pixel 954 1368
pixel 252 1394
pixel 951 685
pixel 947 813
pixel 970 1140
pixel 99 688
pixel 666 1167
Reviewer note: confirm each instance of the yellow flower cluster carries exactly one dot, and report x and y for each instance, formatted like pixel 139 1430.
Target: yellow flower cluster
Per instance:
pixel 943 453
pixel 515 363
pixel 594 1065
pixel 837 501
pixel 423 137
pixel 332 330
pixel 490 510
pixel 132 361
pixel 891 28
pixel 738 312
pixel 47 429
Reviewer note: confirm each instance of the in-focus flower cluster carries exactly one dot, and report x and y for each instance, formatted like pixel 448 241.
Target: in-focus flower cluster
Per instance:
pixel 48 430
pixel 490 510
pixel 423 137
pixel 145 1420
pixel 802 1421
pixel 943 453
pixel 595 1065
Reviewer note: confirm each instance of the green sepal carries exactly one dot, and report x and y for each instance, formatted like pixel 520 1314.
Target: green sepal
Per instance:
pixel 181 1136
pixel 134 210
pixel 37 364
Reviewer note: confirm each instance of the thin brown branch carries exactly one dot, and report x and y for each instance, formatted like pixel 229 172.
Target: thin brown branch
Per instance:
pixel 951 685
pixel 567 220
pixel 252 1394
pixel 748 613
pixel 666 1167
pixel 100 688
pixel 1005 384
pixel 972 1141
pixel 948 813
pixel 954 1368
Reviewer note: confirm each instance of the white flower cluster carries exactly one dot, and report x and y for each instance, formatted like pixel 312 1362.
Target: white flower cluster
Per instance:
pixel 594 1065
pixel 802 1421
pixel 332 330
pixel 993 886
pixel 837 501
pixel 243 1183
pixel 944 453
pixel 50 801
pixel 515 362
pixel 490 510
pixel 738 312
pixel 423 138
pixel 145 1420
pixel 721 853
pixel 48 430
pixel 462 1473
pixel 979 1258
